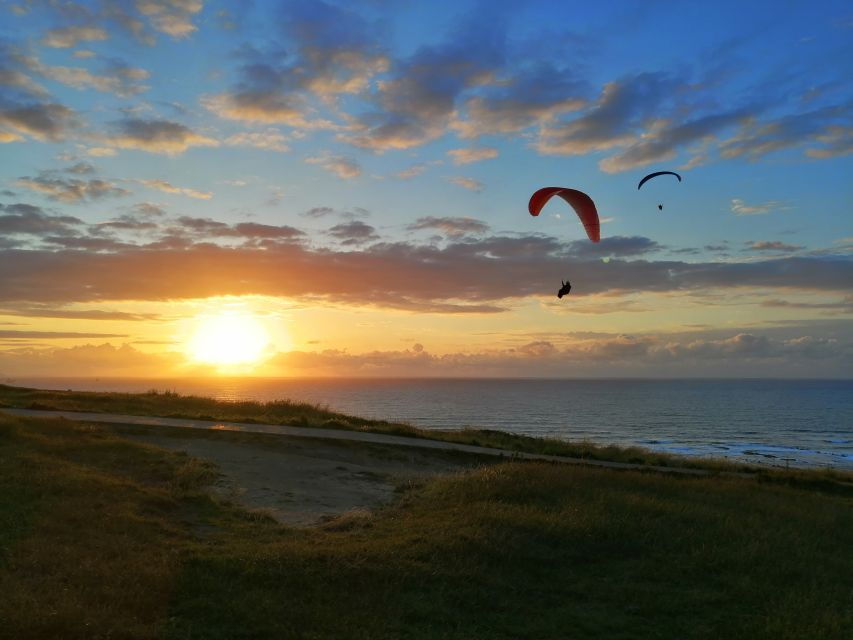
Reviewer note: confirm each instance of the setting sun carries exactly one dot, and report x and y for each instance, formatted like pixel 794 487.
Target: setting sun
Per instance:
pixel 228 339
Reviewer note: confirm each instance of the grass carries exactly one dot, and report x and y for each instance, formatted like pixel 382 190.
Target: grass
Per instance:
pixel 284 412
pixel 101 537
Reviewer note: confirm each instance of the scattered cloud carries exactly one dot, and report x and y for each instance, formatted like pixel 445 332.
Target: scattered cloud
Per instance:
pixel 172 17
pixel 42 311
pixel 534 96
pixel 772 246
pixel 829 125
pixel 100 152
pixel 614 121
pixel 328 51
pixel 56 335
pixel 67 37
pixel 467 183
pixel 117 77
pixel 837 141
pixel 355 232
pixel 417 103
pixel 741 208
pixel 45 122
pixel 71 190
pixel 663 141
pixel 467 156
pixel 166 187
pixel 31 220
pixel 269 140
pixel 208 228
pixel 157 136
pixel 341 166
pixel 411 172
pixel 148 209
pixel 451 227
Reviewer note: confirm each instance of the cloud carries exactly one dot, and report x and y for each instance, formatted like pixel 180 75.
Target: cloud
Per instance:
pixel 663 142
pixel 533 96
pixel 22 83
pixel 100 152
pixel 840 307
pixel 270 140
pixel 45 122
pixel 417 103
pixel 740 208
pixel 772 246
pixel 467 156
pixel 353 233
pixel 80 168
pixel 117 77
pixel 206 227
pixel 7 137
pixel 56 335
pixel 102 360
pixel 166 187
pixel 263 107
pixel 31 220
pixel 451 227
pixel 467 183
pixel 608 355
pixel 67 37
pixel 411 172
pixel 124 223
pixel 318 212
pixel 614 247
pixel 468 271
pixel 341 166
pixel 148 209
pixel 328 51
pixel 157 136
pixel 829 125
pixel 172 17
pixel 614 121
pixel 837 140
pixel 71 190
pixel 75 314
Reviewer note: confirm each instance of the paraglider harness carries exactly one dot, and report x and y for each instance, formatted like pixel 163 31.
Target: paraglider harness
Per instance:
pixel 567 286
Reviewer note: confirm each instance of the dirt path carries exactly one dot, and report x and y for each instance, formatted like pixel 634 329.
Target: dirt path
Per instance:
pixel 302 482
pixel 309 475
pixel 335 434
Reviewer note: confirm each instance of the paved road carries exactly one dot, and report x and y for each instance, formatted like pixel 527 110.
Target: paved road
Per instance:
pixel 336 434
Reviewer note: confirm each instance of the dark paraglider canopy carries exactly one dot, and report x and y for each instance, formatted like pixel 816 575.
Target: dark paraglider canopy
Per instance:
pixel 579 201
pixel 656 174
pixel 567 286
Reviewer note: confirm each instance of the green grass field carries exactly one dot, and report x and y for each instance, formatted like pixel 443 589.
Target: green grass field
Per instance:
pixel 101 537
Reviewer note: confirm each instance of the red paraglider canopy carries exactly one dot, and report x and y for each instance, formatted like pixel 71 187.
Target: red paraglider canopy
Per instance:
pixel 580 202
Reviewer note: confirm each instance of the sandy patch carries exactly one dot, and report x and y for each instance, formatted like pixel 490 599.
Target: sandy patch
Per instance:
pixel 302 482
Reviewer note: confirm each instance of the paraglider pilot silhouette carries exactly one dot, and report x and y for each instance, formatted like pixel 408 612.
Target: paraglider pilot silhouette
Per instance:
pixel 654 175
pixel 583 206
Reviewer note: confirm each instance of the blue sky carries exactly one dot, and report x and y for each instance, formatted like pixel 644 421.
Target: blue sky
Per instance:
pixel 402 141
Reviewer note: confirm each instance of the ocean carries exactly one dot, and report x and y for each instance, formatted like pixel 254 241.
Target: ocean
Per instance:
pixel 802 423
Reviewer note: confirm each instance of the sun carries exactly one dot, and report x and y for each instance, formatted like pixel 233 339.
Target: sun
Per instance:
pixel 228 339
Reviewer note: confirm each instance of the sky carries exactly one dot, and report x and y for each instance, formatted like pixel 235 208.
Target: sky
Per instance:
pixel 340 189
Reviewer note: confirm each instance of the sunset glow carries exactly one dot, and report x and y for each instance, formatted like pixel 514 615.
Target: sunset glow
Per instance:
pixel 228 339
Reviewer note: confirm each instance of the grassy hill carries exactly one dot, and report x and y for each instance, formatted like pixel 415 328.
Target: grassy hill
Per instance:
pixel 101 537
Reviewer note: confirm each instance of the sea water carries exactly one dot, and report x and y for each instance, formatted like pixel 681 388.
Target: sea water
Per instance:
pixel 775 422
